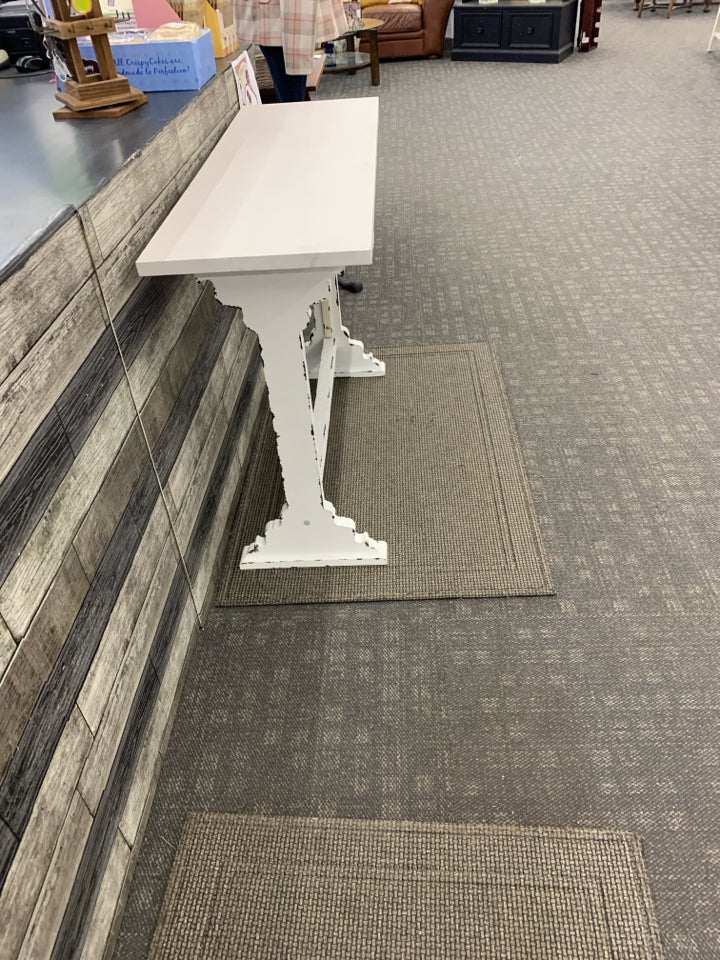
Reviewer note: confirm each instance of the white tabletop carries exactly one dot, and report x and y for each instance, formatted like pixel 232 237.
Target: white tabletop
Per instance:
pixel 288 186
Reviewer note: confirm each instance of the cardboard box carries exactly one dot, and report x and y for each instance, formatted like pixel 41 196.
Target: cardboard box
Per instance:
pixel 153 65
pixel 224 31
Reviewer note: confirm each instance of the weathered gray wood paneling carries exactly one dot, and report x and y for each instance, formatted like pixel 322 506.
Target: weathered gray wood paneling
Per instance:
pixel 166 631
pixel 52 901
pixel 101 676
pixel 227 79
pixel 29 487
pixel 97 851
pixel 96 254
pixel 200 479
pixel 213 537
pixel 7 651
pixel 187 458
pixel 93 585
pixel 31 759
pixel 168 327
pixel 38 286
pixel 83 400
pixel 172 368
pixel 190 167
pixel 144 309
pixel 35 383
pixel 119 701
pixel 36 655
pixel 148 764
pixel 30 866
pixel 206 515
pixel 32 574
pixel 187 171
pixel 197 328
pixel 117 206
pixel 107 899
pixel 106 509
pixel 233 341
pixel 246 357
pixel 244 437
pixel 194 127
pixel 118 275
pixel 8 847
pixel 37 473
pixel 170 443
pixel 157 409
pixel 144 497
pixel 197 489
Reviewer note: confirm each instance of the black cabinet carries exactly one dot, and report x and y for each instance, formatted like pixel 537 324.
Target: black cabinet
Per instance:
pixel 514 30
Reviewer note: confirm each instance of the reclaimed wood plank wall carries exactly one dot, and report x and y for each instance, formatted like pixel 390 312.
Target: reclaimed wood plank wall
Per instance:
pixel 126 410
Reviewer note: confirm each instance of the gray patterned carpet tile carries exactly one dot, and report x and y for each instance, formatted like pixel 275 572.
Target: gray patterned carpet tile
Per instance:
pixel 568 215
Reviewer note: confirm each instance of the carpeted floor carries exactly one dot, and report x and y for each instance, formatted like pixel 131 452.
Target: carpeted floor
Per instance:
pixel 267 887
pixel 425 458
pixel 567 215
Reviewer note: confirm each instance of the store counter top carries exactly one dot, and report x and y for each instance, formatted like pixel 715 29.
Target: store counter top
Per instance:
pixel 47 165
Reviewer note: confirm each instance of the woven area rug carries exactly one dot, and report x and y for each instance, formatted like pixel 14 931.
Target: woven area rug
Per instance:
pixel 256 887
pixel 425 458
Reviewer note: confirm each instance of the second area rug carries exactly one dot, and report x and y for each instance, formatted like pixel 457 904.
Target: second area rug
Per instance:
pixel 264 888
pixel 425 458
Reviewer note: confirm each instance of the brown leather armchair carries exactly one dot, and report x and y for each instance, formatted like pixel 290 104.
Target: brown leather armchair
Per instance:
pixel 411 29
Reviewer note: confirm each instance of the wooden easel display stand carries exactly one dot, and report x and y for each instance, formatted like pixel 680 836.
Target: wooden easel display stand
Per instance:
pixel 104 94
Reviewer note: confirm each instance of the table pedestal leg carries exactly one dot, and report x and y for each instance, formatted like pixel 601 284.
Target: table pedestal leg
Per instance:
pixel 351 359
pixel 308 532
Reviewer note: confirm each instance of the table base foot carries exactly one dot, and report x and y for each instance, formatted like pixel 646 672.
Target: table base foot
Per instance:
pixel 351 360
pixel 325 540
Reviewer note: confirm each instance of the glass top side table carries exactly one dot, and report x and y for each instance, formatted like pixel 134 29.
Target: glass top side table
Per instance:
pixel 367 29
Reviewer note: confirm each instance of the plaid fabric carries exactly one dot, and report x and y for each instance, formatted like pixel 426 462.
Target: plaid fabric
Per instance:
pixel 295 25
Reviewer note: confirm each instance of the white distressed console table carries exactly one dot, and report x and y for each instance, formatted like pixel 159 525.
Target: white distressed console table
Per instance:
pixel 286 200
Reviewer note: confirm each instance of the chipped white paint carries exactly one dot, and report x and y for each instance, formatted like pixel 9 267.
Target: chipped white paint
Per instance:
pixel 250 223
pixel 308 533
